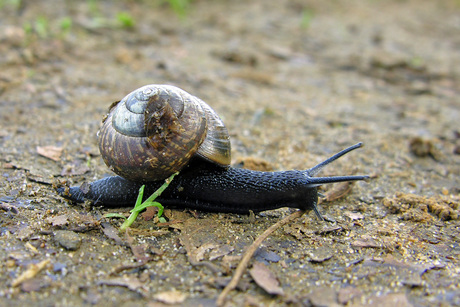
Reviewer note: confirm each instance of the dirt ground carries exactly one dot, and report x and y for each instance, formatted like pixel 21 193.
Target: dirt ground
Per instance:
pixel 294 81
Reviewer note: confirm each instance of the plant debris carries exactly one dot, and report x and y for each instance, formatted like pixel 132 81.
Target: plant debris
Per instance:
pixel 424 148
pixel 59 220
pixel 132 283
pixel 32 270
pixel 338 191
pixel 265 279
pixel 421 208
pixel 51 152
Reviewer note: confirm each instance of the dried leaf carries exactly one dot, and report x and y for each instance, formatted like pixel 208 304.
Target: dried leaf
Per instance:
pixel 265 279
pixel 111 233
pixel 59 220
pixel 230 262
pixel 129 282
pixel 338 191
pixel 328 229
pixel 189 231
pixel 138 251
pixel 220 251
pixel 413 267
pixel 198 253
pixel 149 213
pixel 50 152
pixel 354 215
pixel 365 241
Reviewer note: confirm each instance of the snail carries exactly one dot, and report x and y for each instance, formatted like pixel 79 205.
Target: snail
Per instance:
pixel 158 130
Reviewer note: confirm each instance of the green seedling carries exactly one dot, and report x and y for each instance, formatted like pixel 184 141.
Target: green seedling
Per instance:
pixel 42 27
pixel 307 16
pixel 65 25
pixel 125 20
pixel 140 206
pixel 88 161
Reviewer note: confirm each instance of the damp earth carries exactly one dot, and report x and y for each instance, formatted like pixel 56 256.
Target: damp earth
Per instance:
pixel 295 82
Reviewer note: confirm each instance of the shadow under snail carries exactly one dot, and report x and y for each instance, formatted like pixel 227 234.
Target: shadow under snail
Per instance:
pixel 158 130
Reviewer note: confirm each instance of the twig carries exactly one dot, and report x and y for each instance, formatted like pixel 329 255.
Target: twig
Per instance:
pixel 250 252
pixel 32 270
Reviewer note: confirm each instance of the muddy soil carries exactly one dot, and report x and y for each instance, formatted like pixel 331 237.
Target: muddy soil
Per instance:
pixel 294 81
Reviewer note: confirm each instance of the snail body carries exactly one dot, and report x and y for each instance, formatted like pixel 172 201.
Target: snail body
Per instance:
pixel 162 126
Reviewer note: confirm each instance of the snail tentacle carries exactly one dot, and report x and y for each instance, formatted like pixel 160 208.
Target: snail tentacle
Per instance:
pixel 158 130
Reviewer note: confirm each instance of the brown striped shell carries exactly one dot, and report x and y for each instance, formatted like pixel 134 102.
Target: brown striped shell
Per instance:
pixel 155 130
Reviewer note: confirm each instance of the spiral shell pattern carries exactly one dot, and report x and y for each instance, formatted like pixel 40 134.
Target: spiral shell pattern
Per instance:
pixel 155 130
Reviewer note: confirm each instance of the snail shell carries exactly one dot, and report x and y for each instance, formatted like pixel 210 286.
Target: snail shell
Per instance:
pixel 155 130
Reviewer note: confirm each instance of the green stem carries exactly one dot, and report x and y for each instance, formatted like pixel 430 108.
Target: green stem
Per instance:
pixel 149 202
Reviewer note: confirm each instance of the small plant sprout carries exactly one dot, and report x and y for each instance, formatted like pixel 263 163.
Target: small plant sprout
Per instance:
pixel 65 25
pixel 42 27
pixel 125 20
pixel 140 206
pixel 307 16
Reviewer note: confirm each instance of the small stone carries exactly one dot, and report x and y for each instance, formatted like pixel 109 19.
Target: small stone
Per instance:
pixel 67 239
pixel 25 233
pixel 263 255
pixel 321 254
pixel 34 284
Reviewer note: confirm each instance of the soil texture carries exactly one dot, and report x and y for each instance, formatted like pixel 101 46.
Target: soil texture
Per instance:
pixel 295 82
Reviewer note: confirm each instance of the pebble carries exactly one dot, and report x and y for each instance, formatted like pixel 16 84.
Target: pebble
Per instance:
pixel 67 239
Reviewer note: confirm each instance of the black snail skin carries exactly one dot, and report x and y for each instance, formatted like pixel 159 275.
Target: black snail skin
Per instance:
pixel 158 130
